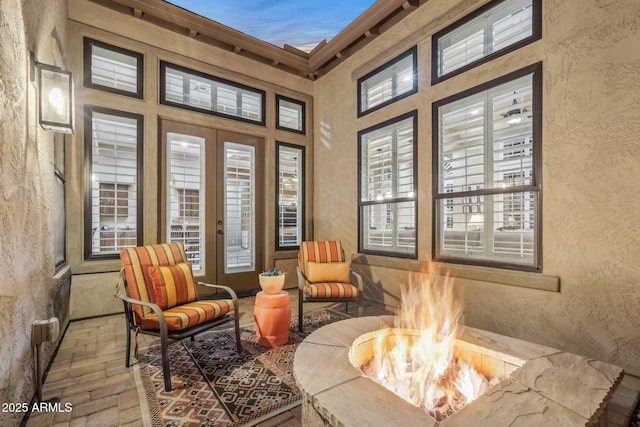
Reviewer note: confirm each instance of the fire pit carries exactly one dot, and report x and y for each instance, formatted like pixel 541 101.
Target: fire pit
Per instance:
pixel 540 385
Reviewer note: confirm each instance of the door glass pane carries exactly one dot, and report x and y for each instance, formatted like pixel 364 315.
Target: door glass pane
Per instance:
pixel 185 195
pixel 239 208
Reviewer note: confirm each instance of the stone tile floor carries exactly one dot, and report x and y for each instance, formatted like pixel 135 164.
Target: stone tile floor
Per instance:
pixel 89 372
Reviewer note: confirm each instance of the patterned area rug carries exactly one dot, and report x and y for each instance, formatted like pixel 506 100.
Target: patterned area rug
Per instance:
pixel 213 385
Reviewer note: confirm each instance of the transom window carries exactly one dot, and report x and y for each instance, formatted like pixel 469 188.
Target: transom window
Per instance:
pixel 112 69
pixel 290 196
pixel 386 84
pixel 493 30
pixel 486 162
pixel 184 88
pixel 114 198
pixel 388 187
pixel 290 114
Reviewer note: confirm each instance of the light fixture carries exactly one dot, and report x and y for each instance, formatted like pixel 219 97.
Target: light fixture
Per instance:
pixel 55 98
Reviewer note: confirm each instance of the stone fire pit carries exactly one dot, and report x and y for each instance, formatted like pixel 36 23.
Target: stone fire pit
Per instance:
pixel 541 385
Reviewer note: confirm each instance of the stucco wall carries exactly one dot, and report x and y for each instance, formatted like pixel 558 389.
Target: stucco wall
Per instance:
pixel 591 172
pixel 28 290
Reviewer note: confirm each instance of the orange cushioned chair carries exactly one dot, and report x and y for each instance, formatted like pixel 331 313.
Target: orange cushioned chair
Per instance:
pixel 325 276
pixel 162 299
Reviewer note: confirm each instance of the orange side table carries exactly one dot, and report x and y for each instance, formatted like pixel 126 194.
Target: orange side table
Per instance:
pixel 272 317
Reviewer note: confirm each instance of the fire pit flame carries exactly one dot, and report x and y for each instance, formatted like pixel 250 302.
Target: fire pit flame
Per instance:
pixel 415 359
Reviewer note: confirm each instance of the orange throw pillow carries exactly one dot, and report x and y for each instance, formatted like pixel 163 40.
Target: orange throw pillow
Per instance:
pixel 328 272
pixel 173 285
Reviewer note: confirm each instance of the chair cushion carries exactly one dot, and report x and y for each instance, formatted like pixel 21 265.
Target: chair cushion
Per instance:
pixel 323 272
pixel 190 314
pixel 331 290
pixel 173 285
pixel 136 262
pixel 319 251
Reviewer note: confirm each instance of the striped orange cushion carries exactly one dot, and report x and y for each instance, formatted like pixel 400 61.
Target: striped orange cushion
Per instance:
pixel 136 262
pixel 173 285
pixel 191 314
pixel 331 290
pixel 319 251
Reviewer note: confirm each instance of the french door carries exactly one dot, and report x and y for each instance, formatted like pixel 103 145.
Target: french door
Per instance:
pixel 210 201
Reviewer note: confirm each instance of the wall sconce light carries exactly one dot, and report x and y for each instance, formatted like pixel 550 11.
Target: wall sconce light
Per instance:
pixel 55 98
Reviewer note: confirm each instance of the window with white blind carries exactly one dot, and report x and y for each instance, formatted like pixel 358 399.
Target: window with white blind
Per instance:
pixel 386 84
pixel 495 29
pixel 290 114
pixel 487 203
pixel 388 187
pixel 185 196
pixel 113 216
pixel 185 88
pixel 290 196
pixel 113 69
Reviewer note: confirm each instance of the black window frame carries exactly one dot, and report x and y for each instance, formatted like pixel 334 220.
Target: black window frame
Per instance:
pixel 163 93
pixel 88 171
pixel 303 106
pixel 363 205
pixel 412 51
pixel 88 43
pixel 537 112
pixel 536 34
pixel 301 185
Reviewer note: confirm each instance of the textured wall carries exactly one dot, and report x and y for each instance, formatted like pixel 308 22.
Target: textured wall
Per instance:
pixel 591 172
pixel 27 288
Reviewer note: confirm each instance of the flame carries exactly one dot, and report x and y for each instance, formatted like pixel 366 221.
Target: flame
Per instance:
pixel 415 359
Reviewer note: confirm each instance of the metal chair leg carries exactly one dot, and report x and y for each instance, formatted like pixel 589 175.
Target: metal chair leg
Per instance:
pixel 300 300
pixel 127 361
pixel 237 327
pixel 164 344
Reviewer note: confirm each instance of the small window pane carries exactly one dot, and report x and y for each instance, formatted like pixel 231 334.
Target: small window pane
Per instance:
pixel 290 196
pixel 112 68
pixel 290 114
pixel 492 29
pixel 388 83
pixel 186 88
pixel 114 194
pixel 387 182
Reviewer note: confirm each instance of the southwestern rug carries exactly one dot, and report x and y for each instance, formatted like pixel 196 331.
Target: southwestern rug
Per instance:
pixel 213 385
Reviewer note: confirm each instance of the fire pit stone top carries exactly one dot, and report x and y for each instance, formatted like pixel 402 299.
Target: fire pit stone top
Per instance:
pixel 541 385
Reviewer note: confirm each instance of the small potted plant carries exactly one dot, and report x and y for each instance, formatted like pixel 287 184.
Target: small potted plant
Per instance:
pixel 272 281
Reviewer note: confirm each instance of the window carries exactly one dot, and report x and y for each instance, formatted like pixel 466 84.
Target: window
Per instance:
pixel 290 114
pixel 186 196
pixel 495 29
pixel 184 88
pixel 290 196
pixel 114 211
pixel 389 83
pixel 112 69
pixel 388 187
pixel 486 170
pixel 59 199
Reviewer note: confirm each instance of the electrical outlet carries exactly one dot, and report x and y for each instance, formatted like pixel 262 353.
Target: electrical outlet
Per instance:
pixel 44 331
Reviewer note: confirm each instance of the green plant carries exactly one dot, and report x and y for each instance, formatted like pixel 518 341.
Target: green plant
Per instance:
pixel 272 272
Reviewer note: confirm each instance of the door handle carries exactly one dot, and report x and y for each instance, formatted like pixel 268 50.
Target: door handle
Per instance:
pixel 220 232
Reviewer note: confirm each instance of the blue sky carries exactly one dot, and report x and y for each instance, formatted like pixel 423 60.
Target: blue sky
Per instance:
pixel 298 23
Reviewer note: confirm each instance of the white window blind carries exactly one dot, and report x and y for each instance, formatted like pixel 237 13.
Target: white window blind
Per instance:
pixel 387 182
pixel 112 68
pixel 185 196
pixel 290 114
pixel 208 94
pixel 496 28
pixel 485 169
pixel 388 82
pixel 114 198
pixel 290 196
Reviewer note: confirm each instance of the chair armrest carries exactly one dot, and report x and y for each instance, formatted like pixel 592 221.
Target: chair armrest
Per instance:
pixel 302 280
pixel 157 310
pixel 358 280
pixel 231 292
